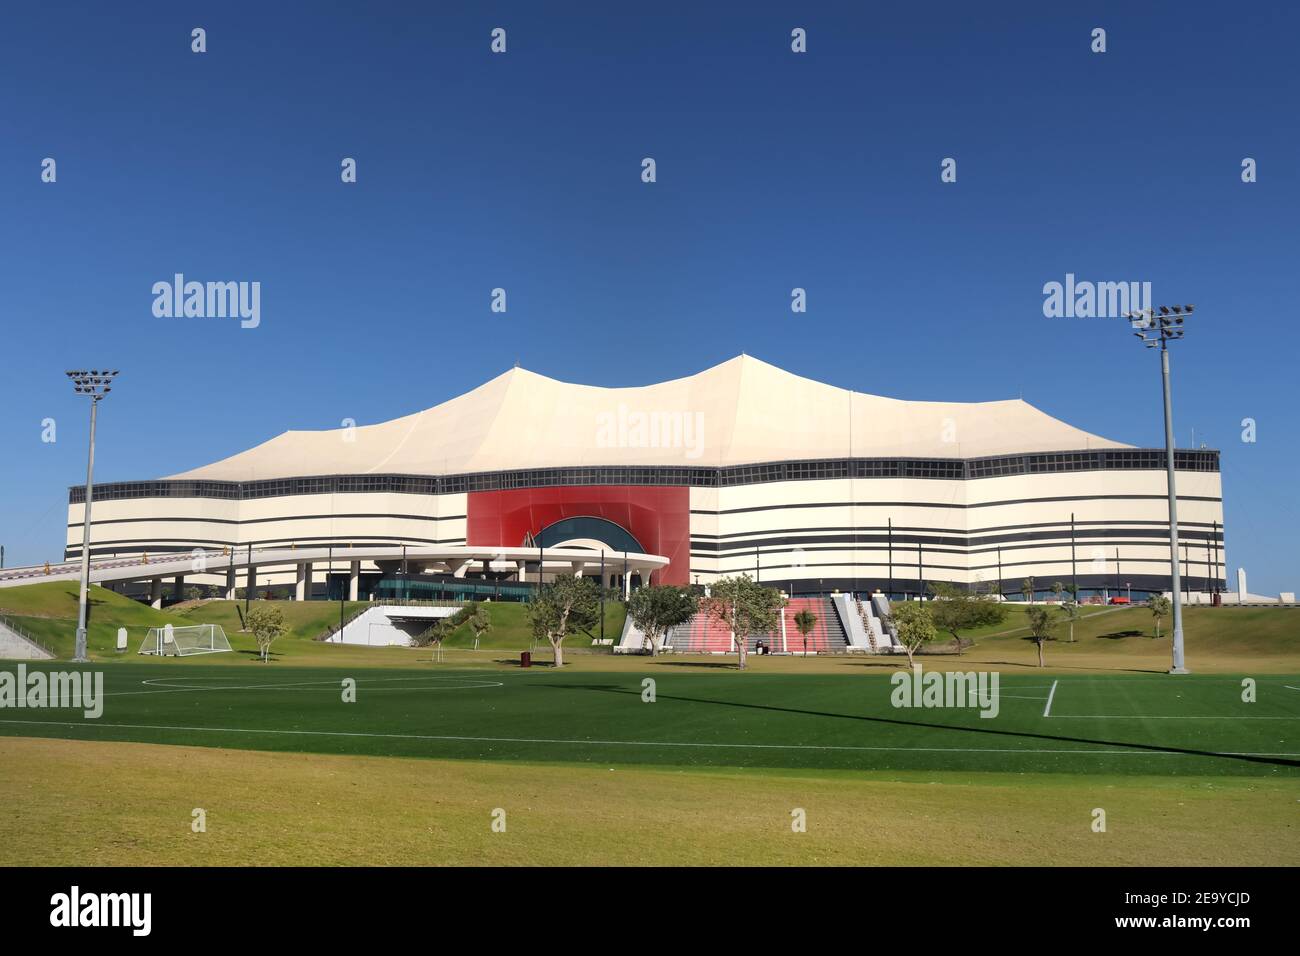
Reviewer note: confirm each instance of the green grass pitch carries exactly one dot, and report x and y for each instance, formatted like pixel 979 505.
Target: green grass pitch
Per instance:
pixel 1124 724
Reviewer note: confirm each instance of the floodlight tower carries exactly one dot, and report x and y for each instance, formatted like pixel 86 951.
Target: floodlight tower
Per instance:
pixel 1157 328
pixel 95 384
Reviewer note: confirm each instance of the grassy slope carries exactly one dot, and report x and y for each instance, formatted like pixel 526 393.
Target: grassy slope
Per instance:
pixel 1219 640
pixel 265 808
pixel 49 611
pixel 1216 639
pixel 511 631
pixel 306 619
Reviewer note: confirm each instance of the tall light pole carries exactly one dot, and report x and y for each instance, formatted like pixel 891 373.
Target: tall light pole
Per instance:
pixel 95 384
pixel 1157 328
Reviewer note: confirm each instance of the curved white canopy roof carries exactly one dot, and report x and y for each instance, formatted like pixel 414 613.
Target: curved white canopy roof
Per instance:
pixel 740 412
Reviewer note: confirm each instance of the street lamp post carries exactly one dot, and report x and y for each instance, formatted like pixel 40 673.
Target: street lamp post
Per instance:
pixel 1156 328
pixel 95 384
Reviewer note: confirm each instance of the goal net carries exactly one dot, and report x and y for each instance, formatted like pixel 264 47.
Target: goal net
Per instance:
pixel 170 641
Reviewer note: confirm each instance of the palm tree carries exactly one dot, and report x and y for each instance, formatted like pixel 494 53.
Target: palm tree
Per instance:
pixel 1027 589
pixel 1072 608
pixel 804 622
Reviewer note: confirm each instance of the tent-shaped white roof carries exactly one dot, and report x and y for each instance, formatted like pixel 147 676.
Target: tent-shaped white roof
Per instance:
pixel 740 412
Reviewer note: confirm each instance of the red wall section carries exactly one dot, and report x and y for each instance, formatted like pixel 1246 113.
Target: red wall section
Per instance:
pixel 658 517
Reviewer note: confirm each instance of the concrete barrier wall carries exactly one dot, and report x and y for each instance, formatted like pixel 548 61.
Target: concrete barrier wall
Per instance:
pixel 15 647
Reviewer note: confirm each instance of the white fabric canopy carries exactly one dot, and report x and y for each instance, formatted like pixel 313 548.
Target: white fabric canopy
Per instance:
pixel 742 411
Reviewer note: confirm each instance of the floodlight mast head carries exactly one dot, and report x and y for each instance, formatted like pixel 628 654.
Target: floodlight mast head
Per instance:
pixel 1156 327
pixel 94 383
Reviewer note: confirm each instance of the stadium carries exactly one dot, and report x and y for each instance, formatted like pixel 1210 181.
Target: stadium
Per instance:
pixel 634 445
pixel 742 467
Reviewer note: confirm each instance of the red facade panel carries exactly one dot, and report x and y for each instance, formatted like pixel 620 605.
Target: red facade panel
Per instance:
pixel 658 517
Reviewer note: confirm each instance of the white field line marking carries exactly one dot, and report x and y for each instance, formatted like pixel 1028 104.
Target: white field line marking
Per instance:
pixel 312 685
pixel 1160 717
pixel 175 682
pixel 93 724
pixel 1269 679
pixel 1047 711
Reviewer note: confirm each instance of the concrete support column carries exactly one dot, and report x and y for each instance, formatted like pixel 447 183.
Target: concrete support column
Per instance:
pixel 577 567
pixel 155 593
pixel 230 584
pixel 178 588
pixel 250 582
pixel 302 585
pixel 627 584
pixel 354 581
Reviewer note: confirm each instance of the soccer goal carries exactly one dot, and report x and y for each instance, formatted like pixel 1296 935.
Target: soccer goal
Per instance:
pixel 172 641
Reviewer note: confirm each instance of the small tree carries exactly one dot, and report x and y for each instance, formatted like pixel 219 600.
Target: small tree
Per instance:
pixel 804 623
pixel 480 622
pixel 954 609
pixel 986 610
pixel 1059 590
pixel 656 610
pixel 567 604
pixel 266 621
pixel 1042 620
pixel 913 624
pixel 745 608
pixel 438 632
pixel 1160 606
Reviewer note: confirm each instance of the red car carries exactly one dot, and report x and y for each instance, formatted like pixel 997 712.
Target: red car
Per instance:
pixel 1119 600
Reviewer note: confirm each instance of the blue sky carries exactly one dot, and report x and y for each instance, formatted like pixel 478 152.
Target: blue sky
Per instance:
pixel 522 171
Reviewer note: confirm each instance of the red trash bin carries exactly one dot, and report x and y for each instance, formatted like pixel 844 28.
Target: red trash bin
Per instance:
pixel 526 659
